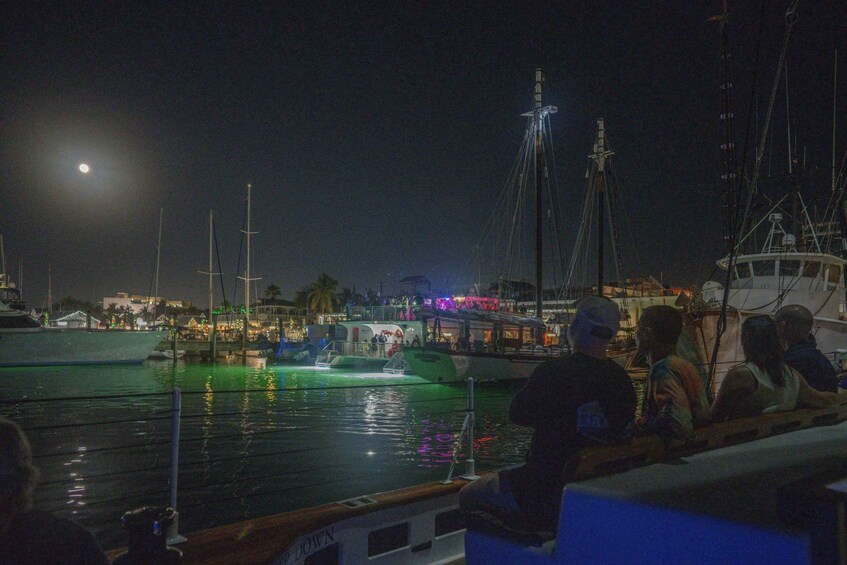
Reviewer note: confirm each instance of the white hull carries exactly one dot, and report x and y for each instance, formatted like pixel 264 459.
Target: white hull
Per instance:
pixel 49 346
pixel 821 290
pixel 351 361
pixel 441 365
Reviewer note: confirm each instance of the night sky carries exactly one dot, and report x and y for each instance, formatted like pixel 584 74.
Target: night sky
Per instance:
pixel 376 135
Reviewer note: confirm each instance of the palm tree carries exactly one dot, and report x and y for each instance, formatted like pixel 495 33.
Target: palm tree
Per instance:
pixel 145 314
pixel 322 297
pixel 273 292
pixel 111 312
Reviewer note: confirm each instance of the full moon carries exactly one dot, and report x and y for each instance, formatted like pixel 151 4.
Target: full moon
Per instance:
pixel 83 168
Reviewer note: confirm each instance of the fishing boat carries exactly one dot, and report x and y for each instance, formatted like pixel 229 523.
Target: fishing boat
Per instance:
pixel 802 258
pixel 24 342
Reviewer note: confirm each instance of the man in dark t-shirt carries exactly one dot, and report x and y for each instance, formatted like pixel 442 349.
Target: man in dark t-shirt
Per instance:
pixel 571 403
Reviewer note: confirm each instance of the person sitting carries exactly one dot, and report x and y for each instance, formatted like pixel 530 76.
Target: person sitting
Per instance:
pixel 764 383
pixel 794 324
pixel 572 403
pixel 32 536
pixel 675 401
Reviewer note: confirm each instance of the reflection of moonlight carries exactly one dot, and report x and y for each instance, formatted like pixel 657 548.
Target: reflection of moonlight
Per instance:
pixel 83 168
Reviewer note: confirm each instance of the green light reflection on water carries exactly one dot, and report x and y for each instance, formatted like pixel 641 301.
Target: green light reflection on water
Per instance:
pixel 256 439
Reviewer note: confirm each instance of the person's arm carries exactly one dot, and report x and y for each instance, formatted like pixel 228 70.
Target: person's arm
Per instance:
pixel 738 385
pixel 672 403
pixel 809 397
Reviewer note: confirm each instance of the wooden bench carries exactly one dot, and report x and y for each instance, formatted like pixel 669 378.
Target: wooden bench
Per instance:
pixel 608 460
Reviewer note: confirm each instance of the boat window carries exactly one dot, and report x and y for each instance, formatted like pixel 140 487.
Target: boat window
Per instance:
pixel 388 539
pixel 811 269
pixel 789 268
pixel 743 270
pixel 326 556
pixel 833 274
pixel 763 268
pixel 449 522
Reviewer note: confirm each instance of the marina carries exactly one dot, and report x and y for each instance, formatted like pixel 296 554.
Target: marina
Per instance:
pixel 628 341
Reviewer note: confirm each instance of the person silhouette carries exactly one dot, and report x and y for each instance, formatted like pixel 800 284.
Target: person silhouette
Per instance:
pixel 34 536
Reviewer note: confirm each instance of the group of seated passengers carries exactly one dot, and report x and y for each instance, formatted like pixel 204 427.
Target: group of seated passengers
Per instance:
pixel 586 399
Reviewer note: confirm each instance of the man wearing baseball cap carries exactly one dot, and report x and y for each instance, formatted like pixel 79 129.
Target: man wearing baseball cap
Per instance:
pixel 572 403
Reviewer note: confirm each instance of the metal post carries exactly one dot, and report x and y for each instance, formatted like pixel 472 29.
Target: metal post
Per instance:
pixel 174 345
pixel 176 411
pixel 470 474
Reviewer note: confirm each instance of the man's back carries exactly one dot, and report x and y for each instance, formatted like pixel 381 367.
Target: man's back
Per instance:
pixel 813 365
pixel 571 403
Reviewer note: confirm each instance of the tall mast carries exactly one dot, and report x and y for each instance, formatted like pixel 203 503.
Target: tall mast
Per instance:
pixel 3 254
pixel 834 95
pixel 539 282
pixel 246 278
pixel 210 272
pixel 538 115
pixel 600 154
pixel 158 255
pixel 729 176
pixel 211 234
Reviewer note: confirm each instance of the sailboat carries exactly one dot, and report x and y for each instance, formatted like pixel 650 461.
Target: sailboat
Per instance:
pixel 498 344
pixel 24 342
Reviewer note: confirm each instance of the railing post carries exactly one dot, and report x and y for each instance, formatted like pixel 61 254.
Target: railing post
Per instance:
pixel 470 471
pixel 176 411
pixel 174 346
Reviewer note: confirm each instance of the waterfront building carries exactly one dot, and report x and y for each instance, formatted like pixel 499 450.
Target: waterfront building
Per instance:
pixel 73 319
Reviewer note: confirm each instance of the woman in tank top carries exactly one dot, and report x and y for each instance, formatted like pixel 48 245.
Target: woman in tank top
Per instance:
pixel 764 384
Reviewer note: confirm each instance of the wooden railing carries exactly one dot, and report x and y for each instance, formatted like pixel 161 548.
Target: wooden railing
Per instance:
pixel 608 460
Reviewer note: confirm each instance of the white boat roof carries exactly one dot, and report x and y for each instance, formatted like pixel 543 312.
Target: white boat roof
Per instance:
pixel 793 255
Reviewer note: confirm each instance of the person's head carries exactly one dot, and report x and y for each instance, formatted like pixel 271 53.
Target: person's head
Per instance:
pixel 794 324
pixel 658 328
pixel 761 345
pixel 17 473
pixel 595 323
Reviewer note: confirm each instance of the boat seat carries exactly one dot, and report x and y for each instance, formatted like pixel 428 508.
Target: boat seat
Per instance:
pixel 487 542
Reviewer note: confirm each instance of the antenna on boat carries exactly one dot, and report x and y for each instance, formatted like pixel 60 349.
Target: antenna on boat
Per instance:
pixel 600 154
pixel 834 95
pixel 730 201
pixel 211 266
pixel 538 115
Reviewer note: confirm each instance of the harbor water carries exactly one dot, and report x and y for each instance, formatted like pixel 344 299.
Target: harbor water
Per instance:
pixel 256 439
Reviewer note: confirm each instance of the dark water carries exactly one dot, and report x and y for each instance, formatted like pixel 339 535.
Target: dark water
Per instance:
pixel 255 440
